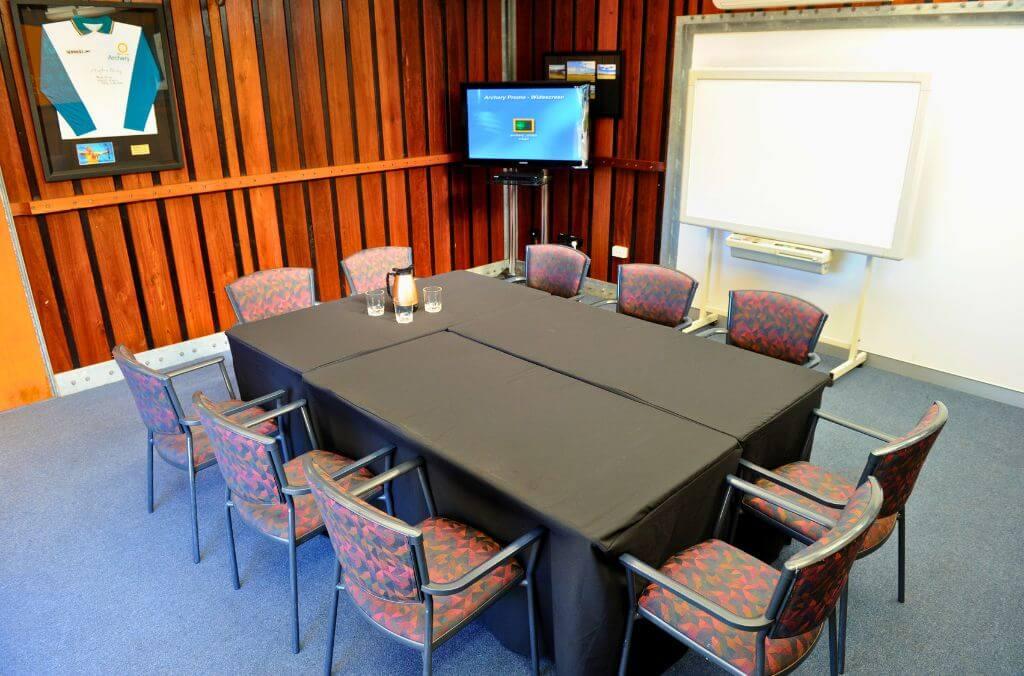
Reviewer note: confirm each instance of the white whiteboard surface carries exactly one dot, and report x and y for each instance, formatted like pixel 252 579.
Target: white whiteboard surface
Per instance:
pixel 953 302
pixel 827 159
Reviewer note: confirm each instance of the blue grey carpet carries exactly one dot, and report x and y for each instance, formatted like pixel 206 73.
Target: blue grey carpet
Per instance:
pixel 91 583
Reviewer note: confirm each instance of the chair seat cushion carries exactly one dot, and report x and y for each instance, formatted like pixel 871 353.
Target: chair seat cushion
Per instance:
pixel 272 519
pixel 736 581
pixel 452 549
pixel 173 449
pixel 824 483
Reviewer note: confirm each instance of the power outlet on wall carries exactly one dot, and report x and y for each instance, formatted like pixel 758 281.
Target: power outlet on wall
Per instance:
pixel 620 251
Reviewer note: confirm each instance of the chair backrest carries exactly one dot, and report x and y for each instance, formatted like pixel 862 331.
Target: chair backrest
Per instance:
pixel 367 270
pixel 246 459
pixel 774 324
pixel 375 550
pixel 556 268
pixel 655 293
pixel 813 579
pixel 152 393
pixel 271 292
pixel 897 464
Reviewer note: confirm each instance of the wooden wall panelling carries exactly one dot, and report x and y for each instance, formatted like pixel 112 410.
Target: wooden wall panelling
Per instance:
pixel 562 41
pixel 459 193
pixel 392 118
pixel 496 195
pixel 363 82
pixel 584 29
pixel 603 131
pixel 410 41
pixel 476 65
pixel 435 73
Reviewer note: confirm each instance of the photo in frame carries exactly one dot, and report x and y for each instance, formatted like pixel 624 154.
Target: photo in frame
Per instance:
pixel 602 69
pixel 101 86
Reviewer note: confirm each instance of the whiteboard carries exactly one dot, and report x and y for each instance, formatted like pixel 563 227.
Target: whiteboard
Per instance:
pixel 819 158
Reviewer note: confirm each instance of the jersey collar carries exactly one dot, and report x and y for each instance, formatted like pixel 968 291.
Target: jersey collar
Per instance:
pixel 85 25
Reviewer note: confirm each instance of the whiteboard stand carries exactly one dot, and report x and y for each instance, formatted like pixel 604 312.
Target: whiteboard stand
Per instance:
pixel 856 357
pixel 706 317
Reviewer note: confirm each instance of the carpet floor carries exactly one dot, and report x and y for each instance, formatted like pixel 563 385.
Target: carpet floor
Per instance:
pixel 92 584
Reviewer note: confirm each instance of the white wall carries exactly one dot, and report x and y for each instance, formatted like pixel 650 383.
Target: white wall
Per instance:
pixel 956 302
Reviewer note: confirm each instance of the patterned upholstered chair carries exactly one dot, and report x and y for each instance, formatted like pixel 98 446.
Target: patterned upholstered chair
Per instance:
pixel 420 584
pixel 172 434
pixel 654 293
pixel 742 614
pixel 556 268
pixel 895 465
pixel 268 492
pixel 774 324
pixel 271 292
pixel 367 270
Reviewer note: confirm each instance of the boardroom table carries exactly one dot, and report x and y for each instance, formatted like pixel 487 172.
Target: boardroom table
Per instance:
pixel 612 433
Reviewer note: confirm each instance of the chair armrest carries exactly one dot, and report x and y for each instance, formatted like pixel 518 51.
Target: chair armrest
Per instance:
pixel 692 597
pixel 189 422
pixel 456 586
pixel 685 324
pixel 386 477
pixel 812 360
pixel 204 363
pixel 578 297
pixel 516 280
pixel 711 332
pixel 867 431
pixel 786 483
pixel 610 301
pixel 779 501
pixel 274 396
pixel 350 468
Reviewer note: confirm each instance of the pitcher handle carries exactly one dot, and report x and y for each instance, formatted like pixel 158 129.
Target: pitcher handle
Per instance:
pixel 387 284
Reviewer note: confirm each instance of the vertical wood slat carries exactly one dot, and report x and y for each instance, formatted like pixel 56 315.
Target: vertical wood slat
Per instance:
pixel 266 85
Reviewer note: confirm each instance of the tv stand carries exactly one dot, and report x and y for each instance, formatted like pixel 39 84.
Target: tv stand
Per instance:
pixel 512 180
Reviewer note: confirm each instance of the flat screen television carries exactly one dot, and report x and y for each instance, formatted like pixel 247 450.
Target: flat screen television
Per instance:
pixel 538 124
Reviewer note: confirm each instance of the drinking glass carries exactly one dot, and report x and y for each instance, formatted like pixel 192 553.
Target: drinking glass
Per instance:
pixel 432 299
pixel 403 314
pixel 375 303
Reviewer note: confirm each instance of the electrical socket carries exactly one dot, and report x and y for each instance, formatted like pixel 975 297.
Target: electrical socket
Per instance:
pixel 620 251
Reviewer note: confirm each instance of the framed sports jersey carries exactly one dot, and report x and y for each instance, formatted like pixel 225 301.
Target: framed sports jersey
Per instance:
pixel 101 86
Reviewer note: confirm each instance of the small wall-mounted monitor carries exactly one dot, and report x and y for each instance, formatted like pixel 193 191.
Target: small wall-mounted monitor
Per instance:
pixel 539 124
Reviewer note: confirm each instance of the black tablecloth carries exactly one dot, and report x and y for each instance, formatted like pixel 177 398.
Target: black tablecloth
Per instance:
pixel 510 445
pixel 763 402
pixel 273 353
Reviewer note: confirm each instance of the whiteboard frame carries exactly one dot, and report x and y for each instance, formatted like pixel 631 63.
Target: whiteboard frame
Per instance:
pixel 911 172
pixel 932 15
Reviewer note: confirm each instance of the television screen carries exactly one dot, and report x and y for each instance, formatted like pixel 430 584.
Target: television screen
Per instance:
pixel 532 123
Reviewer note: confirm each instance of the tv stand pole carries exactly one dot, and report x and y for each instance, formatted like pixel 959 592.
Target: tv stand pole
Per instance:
pixel 512 179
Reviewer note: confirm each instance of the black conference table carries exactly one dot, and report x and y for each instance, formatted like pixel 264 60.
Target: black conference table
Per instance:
pixel 522 422
pixel 273 353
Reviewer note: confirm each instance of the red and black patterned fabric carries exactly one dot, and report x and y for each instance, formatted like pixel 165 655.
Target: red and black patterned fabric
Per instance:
pixel 451 549
pixel 900 462
pixel 272 292
pixel 818 585
pixel 655 293
pixel 774 324
pixel 272 518
pixel 738 582
pixel 173 448
pixel 379 569
pixel 558 269
pixel 367 270
pixel 824 483
pixel 149 389
pixel 245 462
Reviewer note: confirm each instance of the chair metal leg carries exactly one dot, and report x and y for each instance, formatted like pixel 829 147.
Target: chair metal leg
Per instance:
pixel 192 499
pixel 231 542
pixel 901 523
pixel 331 624
pixel 292 570
pixel 844 601
pixel 428 635
pixel 149 473
pixel 531 609
pixel 630 619
pixel 833 653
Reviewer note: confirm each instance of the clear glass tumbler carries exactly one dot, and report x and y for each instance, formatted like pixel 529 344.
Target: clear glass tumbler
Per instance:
pixel 432 298
pixel 403 314
pixel 375 303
